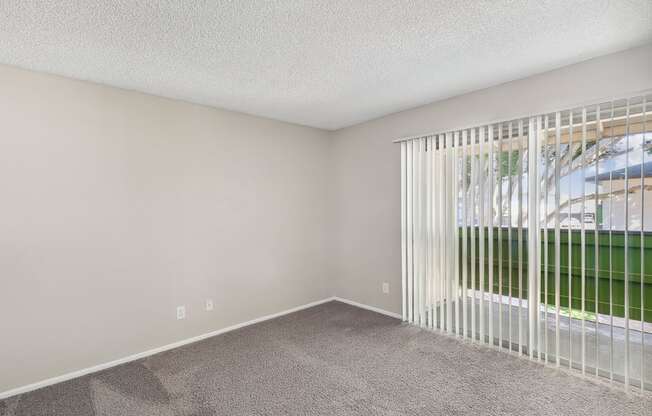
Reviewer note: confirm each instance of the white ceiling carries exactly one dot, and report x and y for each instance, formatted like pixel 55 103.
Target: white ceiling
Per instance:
pixel 321 63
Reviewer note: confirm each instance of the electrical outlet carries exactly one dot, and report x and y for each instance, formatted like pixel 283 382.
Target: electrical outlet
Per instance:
pixel 209 304
pixel 181 312
pixel 385 287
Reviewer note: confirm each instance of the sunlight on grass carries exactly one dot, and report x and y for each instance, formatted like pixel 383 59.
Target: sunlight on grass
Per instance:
pixel 574 313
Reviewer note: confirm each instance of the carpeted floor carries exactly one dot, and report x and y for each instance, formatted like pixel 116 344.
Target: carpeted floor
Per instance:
pixel 333 359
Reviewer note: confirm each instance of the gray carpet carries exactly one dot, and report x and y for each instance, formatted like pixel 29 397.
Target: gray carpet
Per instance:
pixel 333 359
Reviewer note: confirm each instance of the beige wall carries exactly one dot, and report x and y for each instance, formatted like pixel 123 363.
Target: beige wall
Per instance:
pixel 115 207
pixel 365 170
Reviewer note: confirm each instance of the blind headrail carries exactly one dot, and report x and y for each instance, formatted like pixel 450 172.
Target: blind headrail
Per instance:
pixel 507 120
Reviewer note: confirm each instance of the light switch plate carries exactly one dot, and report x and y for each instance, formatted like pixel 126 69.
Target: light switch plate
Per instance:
pixel 209 305
pixel 385 287
pixel 181 312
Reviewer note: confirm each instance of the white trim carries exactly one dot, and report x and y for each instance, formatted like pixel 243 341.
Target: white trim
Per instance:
pixel 370 308
pixel 99 367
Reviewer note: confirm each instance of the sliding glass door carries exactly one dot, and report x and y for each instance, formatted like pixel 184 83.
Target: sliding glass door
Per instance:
pixel 535 236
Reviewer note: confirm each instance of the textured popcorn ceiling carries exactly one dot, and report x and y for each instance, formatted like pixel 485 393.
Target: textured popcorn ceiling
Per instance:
pixel 326 63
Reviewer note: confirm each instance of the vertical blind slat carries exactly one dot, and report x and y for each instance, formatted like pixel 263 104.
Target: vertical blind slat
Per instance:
pixel 465 273
pixel 442 241
pixel 481 220
pixel 583 241
pixel 520 237
pixel 474 168
pixel 490 232
pixel 509 230
pixel 404 261
pixel 557 238
pixel 437 221
pixel 500 236
pixel 626 300
pixel 408 228
pixel 455 222
pixel 642 254
pixel 531 200
pixel 596 244
pixel 570 239
pixel 424 233
pixel 611 281
pixel 546 158
pixel 418 231
pixel 429 233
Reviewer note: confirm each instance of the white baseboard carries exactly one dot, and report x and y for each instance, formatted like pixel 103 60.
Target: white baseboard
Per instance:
pixel 371 308
pixel 99 367
pixel 104 366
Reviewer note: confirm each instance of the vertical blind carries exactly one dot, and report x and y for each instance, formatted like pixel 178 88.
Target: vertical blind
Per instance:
pixel 531 236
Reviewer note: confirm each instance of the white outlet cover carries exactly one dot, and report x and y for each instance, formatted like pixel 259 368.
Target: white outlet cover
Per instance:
pixel 385 287
pixel 181 312
pixel 209 304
